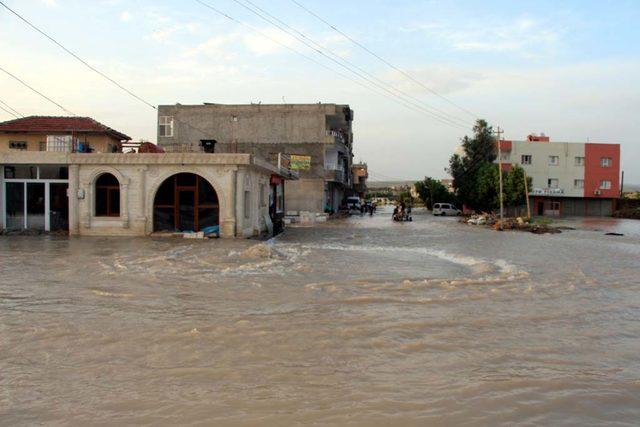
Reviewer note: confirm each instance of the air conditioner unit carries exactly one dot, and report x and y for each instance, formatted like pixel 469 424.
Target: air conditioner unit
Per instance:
pixel 597 192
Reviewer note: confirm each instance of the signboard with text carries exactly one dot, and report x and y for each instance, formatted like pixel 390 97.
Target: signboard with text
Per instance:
pixel 300 162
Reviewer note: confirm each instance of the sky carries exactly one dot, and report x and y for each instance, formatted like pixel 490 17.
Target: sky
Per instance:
pixel 570 69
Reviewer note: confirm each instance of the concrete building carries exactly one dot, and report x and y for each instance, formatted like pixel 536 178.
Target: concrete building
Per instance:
pixel 360 173
pixel 569 179
pixel 320 133
pixel 106 194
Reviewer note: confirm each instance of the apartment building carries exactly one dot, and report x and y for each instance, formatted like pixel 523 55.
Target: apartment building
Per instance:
pixel 569 179
pixel 319 136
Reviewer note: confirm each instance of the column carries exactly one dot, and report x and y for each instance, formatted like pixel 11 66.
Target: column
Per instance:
pixel 74 205
pixel 141 217
pixel 124 204
pixel 240 220
pixel 228 217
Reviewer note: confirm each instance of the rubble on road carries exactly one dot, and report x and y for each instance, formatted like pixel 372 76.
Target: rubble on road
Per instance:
pixel 517 224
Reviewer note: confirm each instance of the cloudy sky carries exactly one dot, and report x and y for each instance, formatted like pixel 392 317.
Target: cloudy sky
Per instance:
pixel 570 69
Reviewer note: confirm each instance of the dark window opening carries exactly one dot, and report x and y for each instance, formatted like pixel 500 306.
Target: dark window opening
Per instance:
pixel 185 202
pixel 107 195
pixel 208 145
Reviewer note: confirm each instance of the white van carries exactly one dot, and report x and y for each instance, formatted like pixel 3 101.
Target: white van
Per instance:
pixel 445 209
pixel 353 203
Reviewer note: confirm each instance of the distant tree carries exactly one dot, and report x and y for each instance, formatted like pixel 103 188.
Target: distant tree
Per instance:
pixel 471 172
pixel 488 188
pixel 433 191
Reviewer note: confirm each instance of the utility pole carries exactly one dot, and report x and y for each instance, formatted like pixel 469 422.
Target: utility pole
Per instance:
pixel 526 194
pixel 498 133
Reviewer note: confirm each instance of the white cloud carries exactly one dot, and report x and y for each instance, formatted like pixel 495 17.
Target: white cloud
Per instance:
pixel 166 33
pixel 126 16
pixel 50 3
pixel 525 36
pixel 215 47
pixel 274 42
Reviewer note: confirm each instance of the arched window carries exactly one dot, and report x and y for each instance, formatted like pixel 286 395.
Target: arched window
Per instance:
pixel 107 195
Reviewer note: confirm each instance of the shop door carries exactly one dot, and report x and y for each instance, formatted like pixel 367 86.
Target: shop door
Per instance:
pixel 187 215
pixel 35 206
pixel 58 206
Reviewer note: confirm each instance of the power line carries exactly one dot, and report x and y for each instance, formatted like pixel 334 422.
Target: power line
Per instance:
pixel 85 63
pixel 309 58
pixel 13 111
pixel 389 64
pixel 437 116
pixel 8 112
pixel 350 65
pixel 36 91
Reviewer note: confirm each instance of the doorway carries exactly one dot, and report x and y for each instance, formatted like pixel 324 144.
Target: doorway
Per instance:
pixel 185 202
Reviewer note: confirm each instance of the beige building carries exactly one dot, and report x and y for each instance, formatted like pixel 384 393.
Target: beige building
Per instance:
pixel 137 194
pixel 59 134
pixel 62 174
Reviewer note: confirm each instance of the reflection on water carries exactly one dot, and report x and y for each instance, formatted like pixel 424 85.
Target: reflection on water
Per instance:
pixel 361 322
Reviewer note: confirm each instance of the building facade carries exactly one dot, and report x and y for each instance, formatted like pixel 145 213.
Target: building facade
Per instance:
pixel 360 173
pixel 139 194
pixel 59 134
pixel 60 174
pixel 568 179
pixel 321 133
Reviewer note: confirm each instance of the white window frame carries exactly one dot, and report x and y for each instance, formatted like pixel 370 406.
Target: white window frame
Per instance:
pixel 578 183
pixel 557 181
pixel 579 161
pixel 554 160
pixel 606 162
pixel 164 123
pixel 605 185
pixel 524 157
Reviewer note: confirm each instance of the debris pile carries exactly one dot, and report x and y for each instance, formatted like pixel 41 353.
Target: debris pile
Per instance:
pixel 517 223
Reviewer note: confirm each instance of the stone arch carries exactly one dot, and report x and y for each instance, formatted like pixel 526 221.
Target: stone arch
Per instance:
pixel 190 192
pixel 90 189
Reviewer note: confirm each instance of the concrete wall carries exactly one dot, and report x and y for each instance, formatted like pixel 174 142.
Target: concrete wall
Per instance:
pixel 286 123
pixel 305 195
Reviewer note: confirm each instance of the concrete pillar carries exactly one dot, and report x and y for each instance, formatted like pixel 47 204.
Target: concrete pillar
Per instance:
pixel 240 220
pixel 74 205
pixel 124 204
pixel 228 216
pixel 141 217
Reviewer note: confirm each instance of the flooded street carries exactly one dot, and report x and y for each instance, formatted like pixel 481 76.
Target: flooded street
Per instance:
pixel 359 321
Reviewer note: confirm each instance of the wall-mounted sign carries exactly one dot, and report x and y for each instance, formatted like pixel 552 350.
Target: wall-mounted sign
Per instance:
pixel 300 162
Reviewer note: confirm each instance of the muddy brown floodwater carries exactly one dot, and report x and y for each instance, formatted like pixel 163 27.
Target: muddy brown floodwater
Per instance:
pixel 356 322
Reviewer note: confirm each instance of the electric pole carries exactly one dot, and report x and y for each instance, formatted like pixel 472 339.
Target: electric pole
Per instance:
pixel 498 133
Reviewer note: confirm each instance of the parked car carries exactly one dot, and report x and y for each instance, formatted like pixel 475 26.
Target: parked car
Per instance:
pixel 353 203
pixel 445 209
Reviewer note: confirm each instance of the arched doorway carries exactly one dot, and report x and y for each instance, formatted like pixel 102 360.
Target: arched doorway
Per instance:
pixel 185 202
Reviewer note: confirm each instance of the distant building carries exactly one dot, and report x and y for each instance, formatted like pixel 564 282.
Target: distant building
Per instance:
pixel 360 174
pixel 320 135
pixel 569 179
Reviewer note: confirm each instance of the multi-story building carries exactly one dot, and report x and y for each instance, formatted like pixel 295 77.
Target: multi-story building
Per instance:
pixel 360 174
pixel 568 179
pixel 320 135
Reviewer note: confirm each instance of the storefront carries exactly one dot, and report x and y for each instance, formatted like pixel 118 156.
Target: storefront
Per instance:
pixel 34 197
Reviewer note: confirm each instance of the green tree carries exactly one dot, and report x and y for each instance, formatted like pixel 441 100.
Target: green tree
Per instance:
pixel 466 170
pixel 433 191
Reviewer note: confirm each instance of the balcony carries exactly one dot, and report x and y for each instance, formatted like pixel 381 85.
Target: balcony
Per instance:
pixel 336 175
